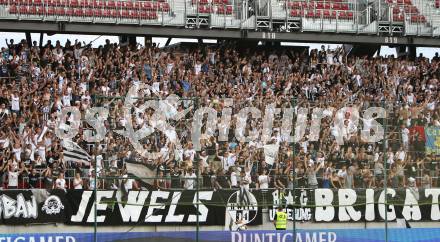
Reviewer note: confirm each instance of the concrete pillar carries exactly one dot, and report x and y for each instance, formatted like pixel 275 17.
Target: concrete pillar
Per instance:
pixel 28 38
pixel 125 40
pixel 148 40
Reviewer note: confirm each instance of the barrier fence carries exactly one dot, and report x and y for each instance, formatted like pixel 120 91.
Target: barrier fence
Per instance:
pixel 395 18
pixel 384 182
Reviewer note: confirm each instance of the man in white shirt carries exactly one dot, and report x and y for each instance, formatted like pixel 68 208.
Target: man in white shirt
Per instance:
pixel 244 188
pixel 60 182
pixel 405 137
pixel 15 102
pixel 190 180
pixel 13 174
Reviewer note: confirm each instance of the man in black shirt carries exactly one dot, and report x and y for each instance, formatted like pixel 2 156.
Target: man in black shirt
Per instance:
pixel 175 176
pixel 34 177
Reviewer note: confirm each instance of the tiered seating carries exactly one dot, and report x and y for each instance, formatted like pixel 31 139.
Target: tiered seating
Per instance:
pixel 89 8
pixel 317 9
pixel 405 7
pixel 222 7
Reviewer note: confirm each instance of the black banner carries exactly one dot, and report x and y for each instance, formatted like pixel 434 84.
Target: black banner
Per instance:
pixel 135 207
pixel 214 207
pixel 349 205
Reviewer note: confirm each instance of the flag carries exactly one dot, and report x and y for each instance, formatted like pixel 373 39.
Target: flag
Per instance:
pixel 432 143
pixel 73 152
pixel 270 153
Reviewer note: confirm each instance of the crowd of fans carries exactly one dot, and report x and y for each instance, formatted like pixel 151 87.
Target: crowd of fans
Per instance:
pixel 37 81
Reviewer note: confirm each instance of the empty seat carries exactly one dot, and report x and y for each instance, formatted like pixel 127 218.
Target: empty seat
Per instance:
pixel 51 11
pixel 74 3
pixel 23 9
pixel 97 12
pixel 32 9
pixel 60 11
pixel 78 12
pixel 88 12
pixel 129 5
pixel 165 7
pixel 229 9
pixel 111 4
pixel 41 10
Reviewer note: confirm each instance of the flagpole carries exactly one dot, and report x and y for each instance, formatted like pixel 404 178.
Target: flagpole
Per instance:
pixel 95 224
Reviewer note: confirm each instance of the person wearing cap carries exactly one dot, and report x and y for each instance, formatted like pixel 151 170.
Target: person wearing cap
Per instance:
pixel 280 219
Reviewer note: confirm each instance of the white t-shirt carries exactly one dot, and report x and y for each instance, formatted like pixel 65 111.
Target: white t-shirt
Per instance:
pixel 405 135
pixel 60 183
pixel 13 179
pixel 15 103
pixel 263 180
pixel 128 185
pixel 234 180
pixel 77 184
pixel 189 183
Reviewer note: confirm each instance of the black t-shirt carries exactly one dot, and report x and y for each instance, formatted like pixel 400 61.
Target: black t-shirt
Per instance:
pixel 175 179
pixel 223 181
pixel 33 180
pixel 4 70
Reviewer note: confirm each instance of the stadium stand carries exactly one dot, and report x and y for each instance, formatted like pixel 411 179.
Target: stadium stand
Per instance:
pixel 37 82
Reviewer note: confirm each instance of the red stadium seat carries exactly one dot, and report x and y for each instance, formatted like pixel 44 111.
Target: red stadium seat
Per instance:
pixel 148 6
pixel 143 15
pixel 134 14
pixel 60 11
pixel 310 14
pixel 99 4
pixel 13 9
pixel 125 14
pixel 32 9
pixel 74 3
pixel 337 6
pixel 51 11
pixel 129 5
pixel 398 18
pixel 296 5
pixel 152 15
pixel 165 7
pixel 114 13
pixel 41 10
pixel 97 12
pixel 320 5
pixel 342 15
pixel 318 13
pixel 37 2
pixel 156 6
pixel 344 7
pixel 78 12
pixel 106 13
pixel 88 12
pixel 221 9
pixel 69 12
pixel 23 9
pixel 229 9
pixel 111 4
